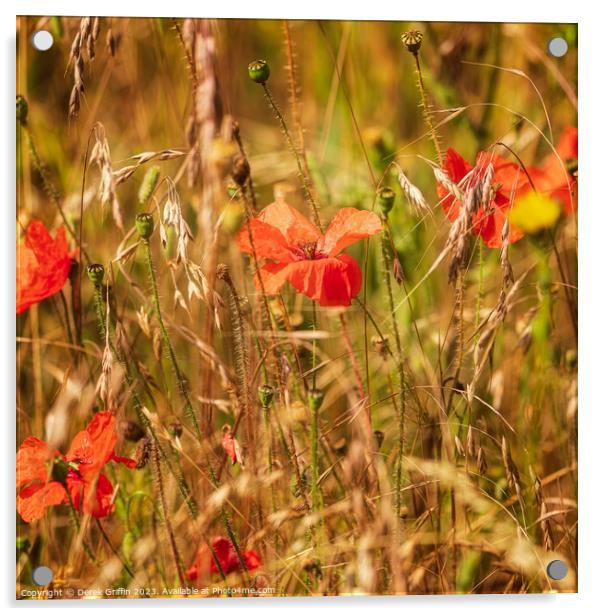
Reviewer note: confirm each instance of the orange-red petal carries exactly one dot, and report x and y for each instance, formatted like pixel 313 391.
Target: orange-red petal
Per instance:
pixel 348 226
pixel 43 265
pixel 35 498
pixel 334 281
pixel 31 461
pixel 93 447
pixel 93 496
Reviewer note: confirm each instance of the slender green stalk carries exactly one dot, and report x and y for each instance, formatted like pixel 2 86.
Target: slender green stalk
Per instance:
pixel 139 407
pixel 386 243
pixel 295 151
pixel 166 519
pixel 182 385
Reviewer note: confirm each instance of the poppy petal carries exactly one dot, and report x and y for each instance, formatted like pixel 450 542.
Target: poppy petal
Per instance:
pixel 268 242
pixel 34 499
pixel 43 265
pixel 92 496
pixel 347 227
pixel 31 461
pixel 294 226
pixel 330 282
pixel 93 447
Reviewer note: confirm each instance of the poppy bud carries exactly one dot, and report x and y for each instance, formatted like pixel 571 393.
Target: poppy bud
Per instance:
pixel 145 225
pixel 143 452
pixel 386 199
pixel 240 169
pixel 22 109
pixel 149 183
pixel 223 273
pixel 60 468
pixel 379 436
pixel 315 399
pixel 96 273
pixel 266 393
pixel 412 40
pixel 175 429
pixel 571 359
pixel 23 543
pixel 259 71
pixel 130 430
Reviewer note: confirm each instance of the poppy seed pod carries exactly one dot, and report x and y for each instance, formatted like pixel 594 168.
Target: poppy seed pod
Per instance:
pixel 259 71
pixel 22 109
pixel 130 430
pixel 96 273
pixel 240 169
pixel 266 394
pixel 145 225
pixel 386 200
pixel 412 40
pixel 315 397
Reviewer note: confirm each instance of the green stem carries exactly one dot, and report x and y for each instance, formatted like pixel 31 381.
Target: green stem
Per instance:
pixel 182 386
pixel 139 407
pixel 386 256
pixel 295 151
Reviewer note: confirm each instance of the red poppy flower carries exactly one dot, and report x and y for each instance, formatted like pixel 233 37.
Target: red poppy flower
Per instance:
pixel 555 178
pixel 296 251
pixel 78 473
pixel 37 490
pixel 227 557
pixel 510 182
pixel 231 445
pixel 43 265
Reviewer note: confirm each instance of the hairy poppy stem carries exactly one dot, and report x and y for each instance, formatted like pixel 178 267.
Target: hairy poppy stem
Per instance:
pixel 386 243
pixel 182 385
pixel 295 151
pixel 426 109
pixel 166 519
pixel 139 407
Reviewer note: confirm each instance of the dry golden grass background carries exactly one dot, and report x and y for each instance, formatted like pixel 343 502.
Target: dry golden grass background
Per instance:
pixel 488 488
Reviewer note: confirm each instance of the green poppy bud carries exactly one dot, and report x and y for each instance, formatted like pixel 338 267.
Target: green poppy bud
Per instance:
pixel 315 398
pixel 412 40
pixel 22 109
pixel 259 71
pixel 23 543
pixel 96 273
pixel 385 199
pixel 145 225
pixel 266 393
pixel 149 183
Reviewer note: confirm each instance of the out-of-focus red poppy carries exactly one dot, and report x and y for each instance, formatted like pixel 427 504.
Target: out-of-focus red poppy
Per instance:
pixel 37 489
pixel 295 250
pixel 231 445
pixel 45 477
pixel 43 265
pixel 556 176
pixel 509 182
pixel 204 562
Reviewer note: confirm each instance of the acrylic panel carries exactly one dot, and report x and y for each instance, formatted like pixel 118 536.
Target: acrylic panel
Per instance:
pixel 296 308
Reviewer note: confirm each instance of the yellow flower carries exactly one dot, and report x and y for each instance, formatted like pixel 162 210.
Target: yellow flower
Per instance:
pixel 535 212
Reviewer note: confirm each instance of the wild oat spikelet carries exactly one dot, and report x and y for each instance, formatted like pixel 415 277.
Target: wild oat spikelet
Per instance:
pixel 413 194
pixel 101 156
